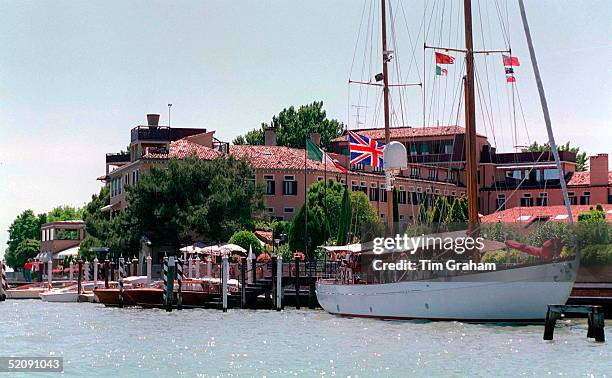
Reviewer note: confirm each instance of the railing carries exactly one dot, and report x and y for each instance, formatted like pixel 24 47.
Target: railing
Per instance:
pixel 117 158
pixel 150 133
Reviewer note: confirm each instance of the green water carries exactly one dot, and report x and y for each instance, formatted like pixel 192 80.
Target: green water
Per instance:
pixel 98 341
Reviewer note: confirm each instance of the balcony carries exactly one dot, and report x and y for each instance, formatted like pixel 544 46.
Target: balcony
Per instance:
pixel 117 158
pixel 525 157
pixel 162 133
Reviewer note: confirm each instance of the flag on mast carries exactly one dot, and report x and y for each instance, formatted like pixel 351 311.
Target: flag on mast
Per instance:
pixel 441 71
pixel 511 61
pixel 444 59
pixel 365 150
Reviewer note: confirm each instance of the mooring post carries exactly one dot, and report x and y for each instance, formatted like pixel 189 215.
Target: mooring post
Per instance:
pixel 149 269
pixel 190 266
pixel 208 267
pixel 297 283
pixel 113 267
pixel 41 267
pixel 274 278
pixel 279 283
pixel 70 273
pixel 249 262
pixel 243 267
pixel 106 272
pixel 95 271
pixel 197 267
pixel 596 325
pixel 121 275
pixel 86 272
pixel 79 279
pixel 50 272
pixel 169 267
pixel 179 278
pixel 224 279
pixel 135 267
pixel 3 284
pixel 127 268
pixel 254 270
pixel 311 288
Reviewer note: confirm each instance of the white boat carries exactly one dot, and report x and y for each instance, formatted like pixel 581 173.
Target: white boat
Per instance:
pixel 67 294
pixel 519 294
pixel 32 292
pixel 515 293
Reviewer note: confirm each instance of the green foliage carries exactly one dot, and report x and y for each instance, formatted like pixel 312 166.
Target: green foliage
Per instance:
pixel 365 222
pixel 458 211
pixel 86 244
pixel 506 257
pixel 597 255
pixel 280 227
pixel 581 158
pixel 254 137
pixel 62 213
pixel 547 231
pixel 440 211
pixel 26 249
pixel 294 126
pixel 344 222
pixel 322 226
pixel 246 239
pixel 499 231
pixel 596 214
pixel 193 199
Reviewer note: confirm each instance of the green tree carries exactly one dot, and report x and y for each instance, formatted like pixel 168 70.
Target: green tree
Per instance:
pixel 245 239
pixel 344 223
pixel 294 126
pixel 86 244
pixel 193 199
pixel 26 249
pixel 25 227
pixel 458 211
pixel 439 213
pixel 581 157
pixel 63 213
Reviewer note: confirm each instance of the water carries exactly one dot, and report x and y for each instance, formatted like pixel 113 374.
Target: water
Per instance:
pixel 99 341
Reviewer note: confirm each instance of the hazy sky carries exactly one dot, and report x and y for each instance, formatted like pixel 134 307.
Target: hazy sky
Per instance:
pixel 75 77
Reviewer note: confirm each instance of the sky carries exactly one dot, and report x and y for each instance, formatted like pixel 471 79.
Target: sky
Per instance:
pixel 75 77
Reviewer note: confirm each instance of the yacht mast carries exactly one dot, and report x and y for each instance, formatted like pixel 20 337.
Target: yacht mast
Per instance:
pixel 470 118
pixel 551 137
pixel 386 56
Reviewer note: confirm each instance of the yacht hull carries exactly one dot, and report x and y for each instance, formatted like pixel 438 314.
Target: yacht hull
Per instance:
pixel 519 294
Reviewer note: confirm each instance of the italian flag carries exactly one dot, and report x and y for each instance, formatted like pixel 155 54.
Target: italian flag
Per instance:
pixel 441 71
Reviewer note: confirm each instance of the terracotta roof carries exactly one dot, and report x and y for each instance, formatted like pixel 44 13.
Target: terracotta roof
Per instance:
pixel 277 157
pixel 264 236
pixel 584 178
pixel 182 148
pixel 409 132
pixel 527 214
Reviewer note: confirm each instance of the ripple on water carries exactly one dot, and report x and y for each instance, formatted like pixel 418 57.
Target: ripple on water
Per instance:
pixel 97 341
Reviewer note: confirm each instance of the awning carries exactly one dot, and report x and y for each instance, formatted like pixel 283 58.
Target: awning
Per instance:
pixel 343 248
pixel 73 251
pixel 114 206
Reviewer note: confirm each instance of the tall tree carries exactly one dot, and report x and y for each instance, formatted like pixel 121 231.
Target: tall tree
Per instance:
pixel 294 126
pixel 344 222
pixel 581 157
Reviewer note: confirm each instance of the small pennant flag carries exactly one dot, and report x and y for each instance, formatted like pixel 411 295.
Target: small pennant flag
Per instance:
pixel 509 70
pixel 441 71
pixel 510 79
pixel 444 59
pixel 510 61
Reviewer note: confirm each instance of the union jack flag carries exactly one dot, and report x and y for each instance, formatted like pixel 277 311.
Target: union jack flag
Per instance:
pixel 365 150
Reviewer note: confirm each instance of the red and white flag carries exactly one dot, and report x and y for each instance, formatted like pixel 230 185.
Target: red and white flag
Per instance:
pixel 510 61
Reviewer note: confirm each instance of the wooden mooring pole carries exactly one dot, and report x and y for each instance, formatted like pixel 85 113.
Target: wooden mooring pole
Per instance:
pixel 243 268
pixel 80 279
pixel 595 316
pixel 106 273
pixel 274 269
pixel 121 275
pixel 3 283
pixel 297 283
pixel 224 279
pixel 179 277
pixel 169 268
pixel 279 283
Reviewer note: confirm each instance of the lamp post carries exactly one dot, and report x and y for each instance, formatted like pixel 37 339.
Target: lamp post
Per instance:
pixel 169 109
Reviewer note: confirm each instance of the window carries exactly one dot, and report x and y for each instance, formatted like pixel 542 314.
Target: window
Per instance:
pixel 357 167
pixel 319 178
pixel 500 202
pixel 290 186
pixel 270 209
pixel 585 198
pixel 516 174
pixel 288 210
pixel 572 198
pixel 542 199
pixel 383 194
pixel 551 174
pixel 433 174
pixel 127 179
pixel 374 197
pixel 453 176
pixel 270 185
pixel 402 197
pixel 526 200
pixel 401 217
pixel 414 172
pixel 413 149
pixel 363 187
pixel 251 181
pixel 377 169
pixel 133 177
pixel 424 148
pixel 354 186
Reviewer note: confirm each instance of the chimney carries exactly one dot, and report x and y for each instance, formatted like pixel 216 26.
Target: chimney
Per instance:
pixel 316 138
pixel 153 120
pixel 270 136
pixel 598 167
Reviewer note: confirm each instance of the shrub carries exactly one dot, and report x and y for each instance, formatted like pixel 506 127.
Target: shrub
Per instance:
pixel 246 239
pixel 597 255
